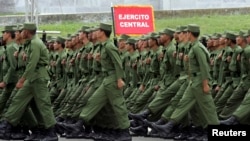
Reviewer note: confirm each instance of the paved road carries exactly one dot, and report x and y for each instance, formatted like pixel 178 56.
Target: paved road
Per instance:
pixel 134 139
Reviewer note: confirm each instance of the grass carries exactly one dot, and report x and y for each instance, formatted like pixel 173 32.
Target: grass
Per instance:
pixel 208 24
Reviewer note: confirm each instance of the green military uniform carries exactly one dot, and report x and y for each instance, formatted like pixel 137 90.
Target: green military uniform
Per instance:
pixel 10 77
pixel 35 84
pixel 108 91
pixel 234 70
pixel 242 89
pixel 199 71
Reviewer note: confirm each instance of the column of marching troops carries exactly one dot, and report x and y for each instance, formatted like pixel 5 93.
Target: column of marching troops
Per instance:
pixel 171 84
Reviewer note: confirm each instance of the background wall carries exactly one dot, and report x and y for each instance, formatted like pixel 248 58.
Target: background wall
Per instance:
pixel 83 6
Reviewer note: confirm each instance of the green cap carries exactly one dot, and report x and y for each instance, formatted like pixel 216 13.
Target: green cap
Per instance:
pixel 29 26
pixel 105 26
pixel 242 33
pixel 230 35
pixel 168 31
pixel 183 28
pixel 131 41
pixel 8 28
pixel 83 28
pixel 153 35
pixel 124 37
pixel 60 39
pixel 193 28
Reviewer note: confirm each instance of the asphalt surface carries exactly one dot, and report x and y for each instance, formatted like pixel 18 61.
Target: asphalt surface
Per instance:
pixel 134 139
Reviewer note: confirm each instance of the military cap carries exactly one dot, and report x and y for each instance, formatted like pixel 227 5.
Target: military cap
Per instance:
pixel 60 39
pixel 177 30
pixel 242 33
pixel 130 41
pixel 29 26
pixel 182 28
pixel 153 35
pixel 193 28
pixel 124 37
pixel 168 31
pixel 83 28
pixel 230 35
pixel 247 33
pixel 8 28
pixel 105 26
pixel 214 37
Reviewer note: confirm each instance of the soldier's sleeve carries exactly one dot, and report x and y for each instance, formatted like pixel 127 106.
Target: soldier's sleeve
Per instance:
pixel 203 63
pixel 116 59
pixel 33 59
pixel 12 64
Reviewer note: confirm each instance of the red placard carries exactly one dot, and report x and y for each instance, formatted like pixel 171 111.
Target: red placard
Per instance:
pixel 133 19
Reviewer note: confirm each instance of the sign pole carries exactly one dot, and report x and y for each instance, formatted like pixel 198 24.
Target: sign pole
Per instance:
pixel 113 22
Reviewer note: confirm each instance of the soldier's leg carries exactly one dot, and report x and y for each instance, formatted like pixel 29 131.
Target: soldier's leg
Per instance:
pixel 233 102
pixel 223 99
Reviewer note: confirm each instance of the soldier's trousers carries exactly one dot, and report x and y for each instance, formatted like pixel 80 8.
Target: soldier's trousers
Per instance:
pixel 107 93
pixel 39 91
pixel 243 113
pixel 163 97
pixel 194 96
pixel 5 95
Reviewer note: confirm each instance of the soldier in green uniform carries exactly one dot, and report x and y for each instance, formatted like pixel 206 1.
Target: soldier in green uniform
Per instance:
pixel 241 114
pixel 10 77
pixel 239 93
pixel 110 91
pixel 32 84
pixel 234 68
pixel 198 90
pixel 58 85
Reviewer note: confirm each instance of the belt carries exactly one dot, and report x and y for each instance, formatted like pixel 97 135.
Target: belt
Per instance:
pixel 194 74
pixel 108 73
pixel 70 75
pixel 234 74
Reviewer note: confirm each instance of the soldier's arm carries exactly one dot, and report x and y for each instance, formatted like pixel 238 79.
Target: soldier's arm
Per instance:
pixel 12 62
pixel 33 59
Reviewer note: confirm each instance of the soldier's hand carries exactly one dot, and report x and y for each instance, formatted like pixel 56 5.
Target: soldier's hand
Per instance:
pixel 174 54
pixel 97 57
pixel 72 61
pixel 238 57
pixel 90 56
pixel 148 60
pixel 220 56
pixel 217 88
pixel 2 85
pixel 78 55
pixel 63 62
pixel 160 57
pixel 120 83
pixel 211 62
pixel 229 58
pixel 157 87
pixel 206 89
pixel 142 88
pixel 15 54
pixel 186 58
pixel 19 85
pixel 134 65
pixel 180 55
pixel 24 56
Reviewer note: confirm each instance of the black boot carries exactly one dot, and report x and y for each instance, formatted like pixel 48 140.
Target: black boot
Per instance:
pixel 49 135
pixel 5 130
pixel 158 122
pixel 35 135
pixel 18 133
pixel 230 121
pixel 140 116
pixel 75 129
pixel 139 130
pixel 195 132
pixel 123 135
pixel 166 128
